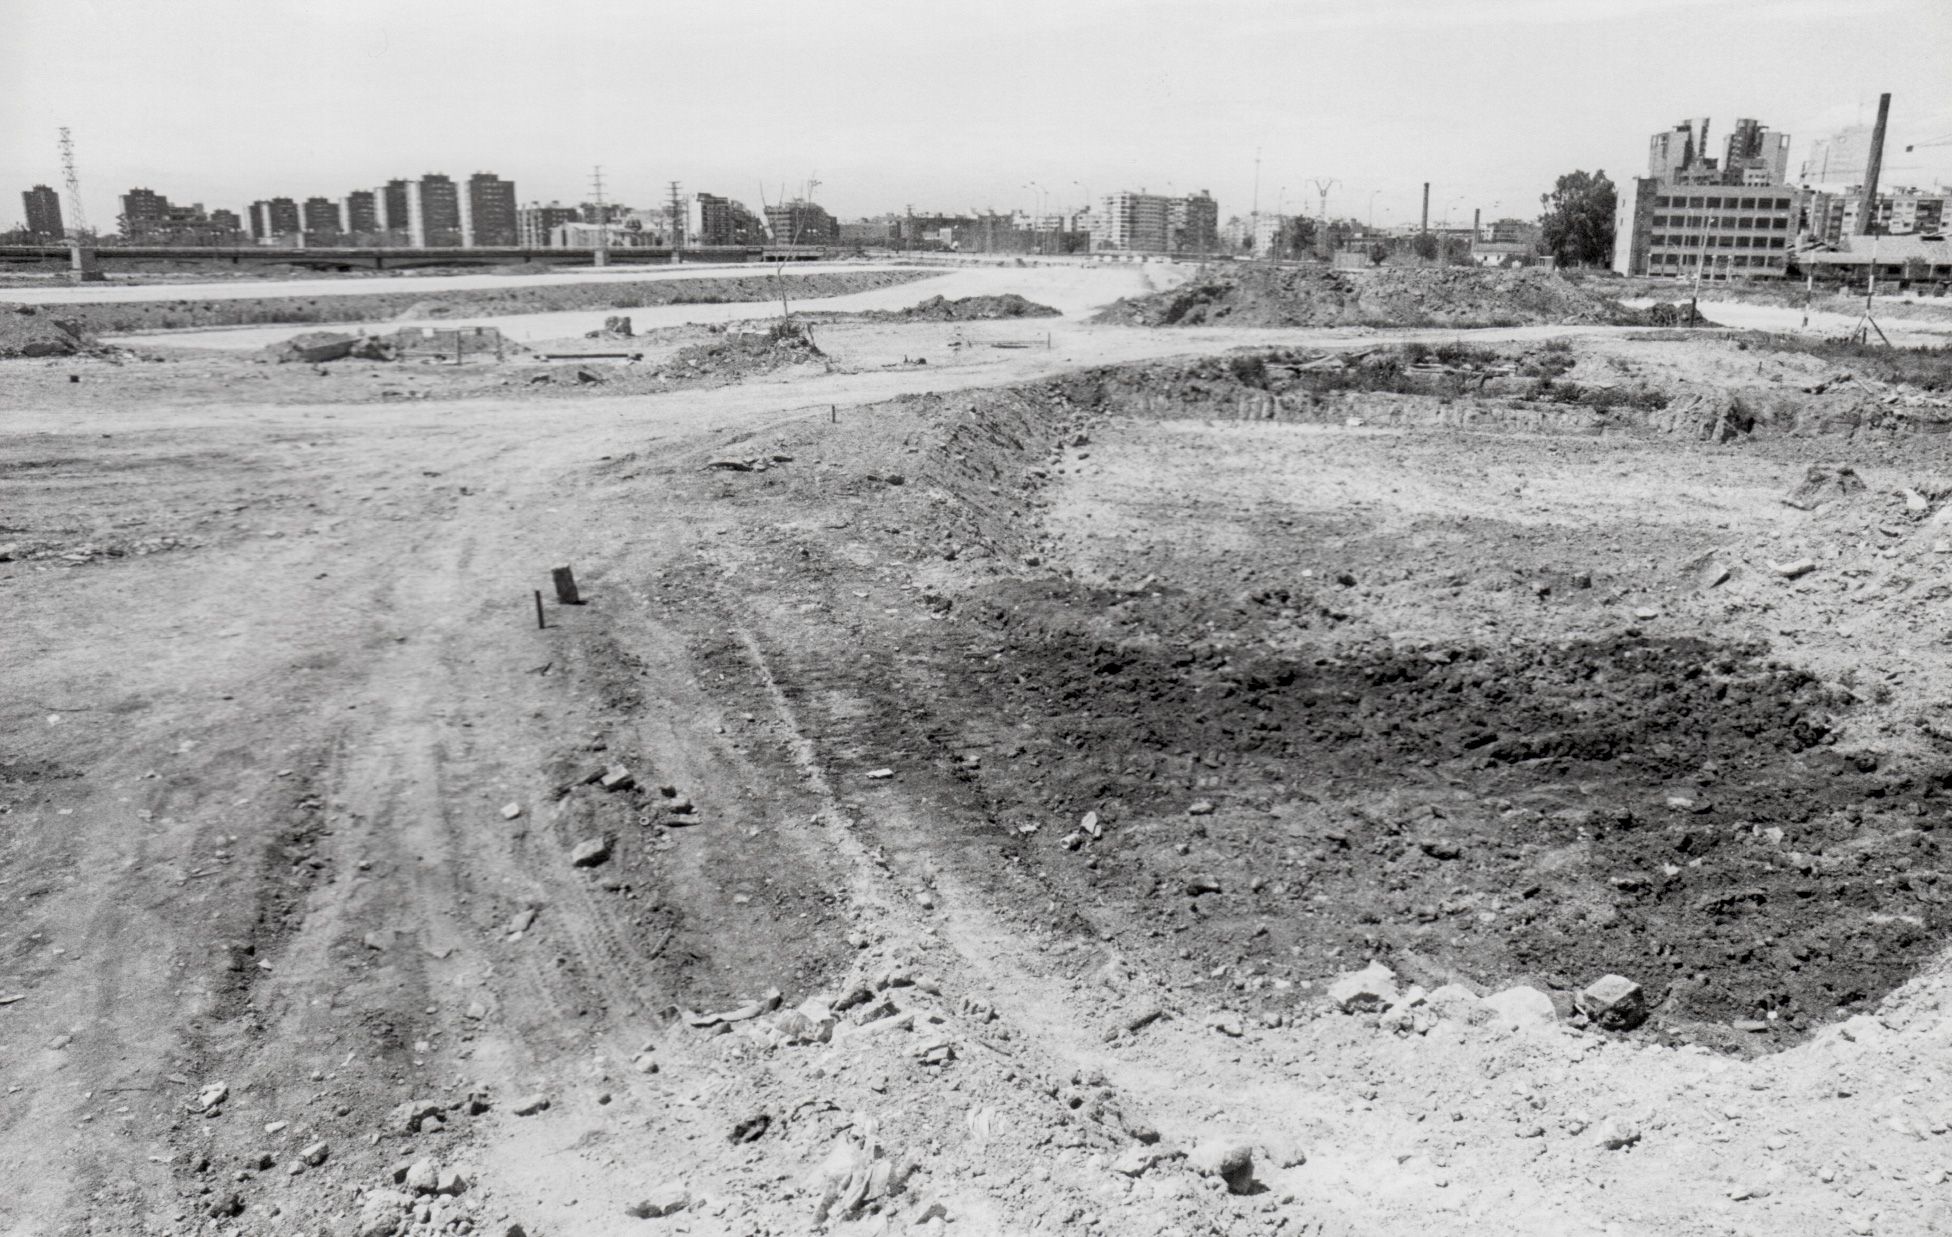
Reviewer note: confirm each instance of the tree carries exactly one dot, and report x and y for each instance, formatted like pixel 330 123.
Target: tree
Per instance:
pixel 1295 238
pixel 1578 219
pixel 1425 246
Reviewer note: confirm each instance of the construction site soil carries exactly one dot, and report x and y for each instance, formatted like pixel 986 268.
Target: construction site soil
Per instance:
pixel 965 797
pixel 1385 296
pixel 106 318
pixel 26 331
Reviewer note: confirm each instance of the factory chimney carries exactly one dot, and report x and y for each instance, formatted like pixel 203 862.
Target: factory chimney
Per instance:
pixel 1867 213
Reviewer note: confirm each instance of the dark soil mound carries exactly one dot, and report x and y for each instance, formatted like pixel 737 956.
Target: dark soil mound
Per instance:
pixel 747 352
pixel 28 332
pixel 977 308
pixel 1438 296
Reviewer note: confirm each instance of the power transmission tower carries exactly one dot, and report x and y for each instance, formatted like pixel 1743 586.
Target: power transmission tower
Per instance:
pixel 602 255
pixel 678 237
pixel 1322 186
pixel 77 218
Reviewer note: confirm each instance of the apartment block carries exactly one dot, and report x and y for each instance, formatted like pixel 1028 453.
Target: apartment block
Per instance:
pixel 322 220
pixel 801 223
pixel 361 210
pixel 488 218
pixel 1831 215
pixel 708 220
pixel 535 224
pixel 1754 155
pixel 43 212
pixel 275 217
pixel 433 212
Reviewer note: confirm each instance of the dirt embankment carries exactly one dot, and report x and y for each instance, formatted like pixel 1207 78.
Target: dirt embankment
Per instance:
pixel 472 303
pixel 1291 297
pixel 29 332
pixel 1542 811
pixel 1544 388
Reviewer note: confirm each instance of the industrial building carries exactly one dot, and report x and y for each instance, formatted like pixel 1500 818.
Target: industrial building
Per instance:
pixel 43 212
pixel 1727 218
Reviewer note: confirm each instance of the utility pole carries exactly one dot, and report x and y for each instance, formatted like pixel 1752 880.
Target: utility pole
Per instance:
pixel 1254 216
pixel 1322 186
pixel 602 254
pixel 677 221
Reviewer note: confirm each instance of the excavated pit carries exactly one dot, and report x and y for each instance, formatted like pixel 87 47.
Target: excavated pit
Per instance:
pixel 1379 727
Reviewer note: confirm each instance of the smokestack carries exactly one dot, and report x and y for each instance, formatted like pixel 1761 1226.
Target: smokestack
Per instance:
pixel 1867 213
pixel 1477 221
pixel 1426 206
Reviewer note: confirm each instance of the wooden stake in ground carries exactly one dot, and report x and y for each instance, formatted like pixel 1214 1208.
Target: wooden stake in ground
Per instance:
pixel 566 586
pixel 538 610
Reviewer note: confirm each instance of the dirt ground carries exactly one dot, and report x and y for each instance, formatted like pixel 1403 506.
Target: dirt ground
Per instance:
pixel 975 760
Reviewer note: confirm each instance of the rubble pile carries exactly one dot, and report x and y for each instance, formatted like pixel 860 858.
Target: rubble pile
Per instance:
pixel 737 354
pixel 28 332
pixel 1446 296
pixel 975 308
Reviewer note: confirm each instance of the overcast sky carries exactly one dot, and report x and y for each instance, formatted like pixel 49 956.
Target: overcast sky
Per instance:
pixel 225 101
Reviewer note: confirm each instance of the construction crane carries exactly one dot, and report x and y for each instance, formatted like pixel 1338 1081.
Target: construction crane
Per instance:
pixel 77 218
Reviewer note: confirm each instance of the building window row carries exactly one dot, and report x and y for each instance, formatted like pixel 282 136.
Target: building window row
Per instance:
pixel 1742 223
pixel 1689 261
pixel 1721 242
pixel 1715 203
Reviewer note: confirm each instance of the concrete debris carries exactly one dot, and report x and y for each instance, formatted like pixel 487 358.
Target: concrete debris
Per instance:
pixel 666 1200
pixel 1522 1007
pixel 1795 569
pixel 315 1154
pixel 529 1105
pixel 511 811
pixel 1136 1159
pixel 523 921
pixel 1618 1134
pixel 1614 1003
pixel 1229 1159
pixel 423 1176
pixel 1456 1003
pixel 590 852
pixel 1373 988
pixel 212 1097
pixel 743 1013
pixel 410 1116
pixel 1823 483
pixel 616 777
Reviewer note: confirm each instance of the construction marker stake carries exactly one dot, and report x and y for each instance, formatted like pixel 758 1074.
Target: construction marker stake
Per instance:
pixel 538 610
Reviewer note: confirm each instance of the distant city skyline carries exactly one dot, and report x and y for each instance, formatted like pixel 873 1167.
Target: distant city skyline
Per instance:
pixel 1020 105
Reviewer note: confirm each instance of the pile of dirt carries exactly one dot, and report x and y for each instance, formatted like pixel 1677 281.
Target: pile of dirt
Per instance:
pixel 317 347
pixel 1448 296
pixel 27 332
pixel 976 308
pixel 737 354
